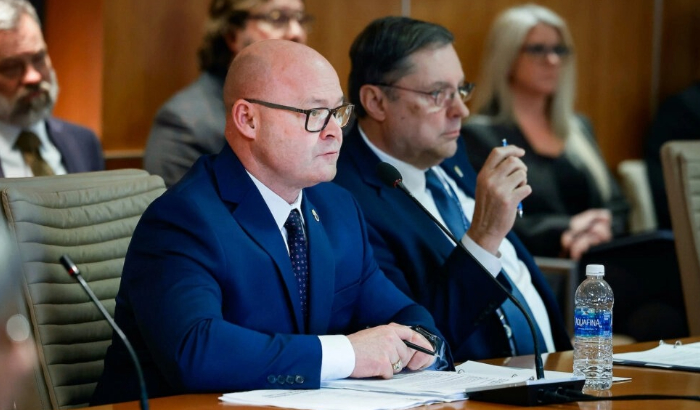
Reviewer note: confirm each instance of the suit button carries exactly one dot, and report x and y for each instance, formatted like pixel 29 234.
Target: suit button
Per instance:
pixel 280 379
pixel 290 379
pixel 299 379
pixel 271 379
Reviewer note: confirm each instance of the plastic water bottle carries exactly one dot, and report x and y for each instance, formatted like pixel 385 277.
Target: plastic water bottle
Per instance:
pixel 593 330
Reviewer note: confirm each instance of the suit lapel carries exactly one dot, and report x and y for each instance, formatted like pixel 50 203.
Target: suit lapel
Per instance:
pixel 253 215
pixel 321 269
pixel 63 145
pixel 366 161
pixel 461 171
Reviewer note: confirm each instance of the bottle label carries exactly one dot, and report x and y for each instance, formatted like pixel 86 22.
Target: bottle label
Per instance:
pixel 591 322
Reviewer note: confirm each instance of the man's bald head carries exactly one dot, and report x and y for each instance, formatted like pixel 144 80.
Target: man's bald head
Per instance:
pixel 268 87
pixel 270 68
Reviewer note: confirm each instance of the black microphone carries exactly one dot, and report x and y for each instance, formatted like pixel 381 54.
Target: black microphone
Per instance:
pixel 540 395
pixel 75 272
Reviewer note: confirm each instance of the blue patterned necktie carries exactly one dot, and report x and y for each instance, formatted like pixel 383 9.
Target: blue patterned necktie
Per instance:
pixel 447 205
pixel 522 337
pixel 298 254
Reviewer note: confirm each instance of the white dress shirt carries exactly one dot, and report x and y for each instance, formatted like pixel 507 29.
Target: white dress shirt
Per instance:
pixel 414 180
pixel 337 353
pixel 13 165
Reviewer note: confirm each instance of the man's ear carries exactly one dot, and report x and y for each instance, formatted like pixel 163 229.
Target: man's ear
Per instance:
pixel 245 118
pixel 374 101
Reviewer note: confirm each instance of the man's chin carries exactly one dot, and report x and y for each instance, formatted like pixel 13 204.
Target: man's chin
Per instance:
pixel 27 118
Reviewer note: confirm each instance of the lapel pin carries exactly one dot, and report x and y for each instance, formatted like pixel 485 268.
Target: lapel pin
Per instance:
pixel 313 211
pixel 459 171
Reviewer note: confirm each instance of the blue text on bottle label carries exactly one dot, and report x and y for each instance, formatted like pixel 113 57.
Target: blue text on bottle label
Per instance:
pixel 591 322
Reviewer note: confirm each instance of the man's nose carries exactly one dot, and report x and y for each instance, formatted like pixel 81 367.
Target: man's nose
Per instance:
pixel 31 75
pixel 295 32
pixel 458 108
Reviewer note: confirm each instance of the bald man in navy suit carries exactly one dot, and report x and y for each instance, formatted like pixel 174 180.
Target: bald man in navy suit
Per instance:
pixel 253 271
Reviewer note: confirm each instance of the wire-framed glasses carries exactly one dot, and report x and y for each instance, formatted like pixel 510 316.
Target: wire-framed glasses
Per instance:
pixel 542 51
pixel 442 96
pixel 316 118
pixel 280 19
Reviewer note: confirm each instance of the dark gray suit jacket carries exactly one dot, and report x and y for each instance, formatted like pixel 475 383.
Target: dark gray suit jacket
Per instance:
pixel 186 127
pixel 80 148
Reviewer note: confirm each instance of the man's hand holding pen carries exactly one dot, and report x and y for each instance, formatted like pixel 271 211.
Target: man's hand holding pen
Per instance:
pixel 500 186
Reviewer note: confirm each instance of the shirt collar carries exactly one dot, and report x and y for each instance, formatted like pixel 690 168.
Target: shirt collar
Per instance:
pixel 11 132
pixel 413 178
pixel 279 208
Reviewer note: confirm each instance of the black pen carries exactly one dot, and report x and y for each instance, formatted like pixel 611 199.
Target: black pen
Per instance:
pixel 520 204
pixel 419 348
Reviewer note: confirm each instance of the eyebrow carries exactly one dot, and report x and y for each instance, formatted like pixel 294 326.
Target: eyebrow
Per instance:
pixel 444 84
pixel 320 102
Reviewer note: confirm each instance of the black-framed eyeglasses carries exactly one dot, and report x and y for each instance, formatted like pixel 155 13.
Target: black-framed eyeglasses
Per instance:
pixel 443 96
pixel 280 19
pixel 316 118
pixel 540 50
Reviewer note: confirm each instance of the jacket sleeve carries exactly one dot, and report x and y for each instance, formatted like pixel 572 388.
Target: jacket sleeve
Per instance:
pixel 456 294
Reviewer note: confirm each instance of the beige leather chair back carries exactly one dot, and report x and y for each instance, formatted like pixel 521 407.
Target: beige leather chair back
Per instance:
pixel 635 185
pixel 681 165
pixel 91 218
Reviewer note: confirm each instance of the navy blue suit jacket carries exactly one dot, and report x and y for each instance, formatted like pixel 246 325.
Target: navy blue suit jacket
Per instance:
pixel 80 148
pixel 416 255
pixel 209 300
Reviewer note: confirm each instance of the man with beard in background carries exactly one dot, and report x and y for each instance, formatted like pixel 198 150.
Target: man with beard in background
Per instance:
pixel 32 143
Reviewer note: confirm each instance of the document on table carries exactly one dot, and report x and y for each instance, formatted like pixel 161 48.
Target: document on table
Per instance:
pixel 485 369
pixel 324 399
pixel 404 390
pixel 447 386
pixel 667 356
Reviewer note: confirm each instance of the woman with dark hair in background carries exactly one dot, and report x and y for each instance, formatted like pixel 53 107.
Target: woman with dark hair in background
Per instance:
pixel 192 122
pixel 525 96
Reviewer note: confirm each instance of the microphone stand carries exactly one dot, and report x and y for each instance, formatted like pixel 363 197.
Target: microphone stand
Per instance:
pixel 542 391
pixel 73 270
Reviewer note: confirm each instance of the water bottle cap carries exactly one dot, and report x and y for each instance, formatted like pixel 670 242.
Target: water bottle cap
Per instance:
pixel 595 270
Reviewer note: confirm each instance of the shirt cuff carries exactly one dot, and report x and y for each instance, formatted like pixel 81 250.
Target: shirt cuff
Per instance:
pixel 491 262
pixel 337 357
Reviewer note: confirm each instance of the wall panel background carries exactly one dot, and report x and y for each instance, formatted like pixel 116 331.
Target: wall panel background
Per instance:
pixel 118 61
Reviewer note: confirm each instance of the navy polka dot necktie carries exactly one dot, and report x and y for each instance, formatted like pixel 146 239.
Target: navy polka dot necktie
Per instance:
pixel 298 254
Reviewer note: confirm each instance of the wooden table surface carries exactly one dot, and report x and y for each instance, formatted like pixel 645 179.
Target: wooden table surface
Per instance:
pixel 644 381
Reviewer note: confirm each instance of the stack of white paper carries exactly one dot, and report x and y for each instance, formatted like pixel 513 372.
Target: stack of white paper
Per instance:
pixel 668 356
pixel 444 386
pixel 326 400
pixel 404 390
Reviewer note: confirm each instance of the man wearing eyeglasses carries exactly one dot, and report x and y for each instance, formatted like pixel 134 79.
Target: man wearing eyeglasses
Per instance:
pixel 192 122
pixel 252 269
pixel 32 141
pixel 409 91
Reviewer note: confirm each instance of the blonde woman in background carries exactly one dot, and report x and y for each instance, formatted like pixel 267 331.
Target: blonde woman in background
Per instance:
pixel 525 95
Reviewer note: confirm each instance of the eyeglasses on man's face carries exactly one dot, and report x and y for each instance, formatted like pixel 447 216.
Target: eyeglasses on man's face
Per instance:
pixel 441 97
pixel 316 118
pixel 542 51
pixel 280 19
